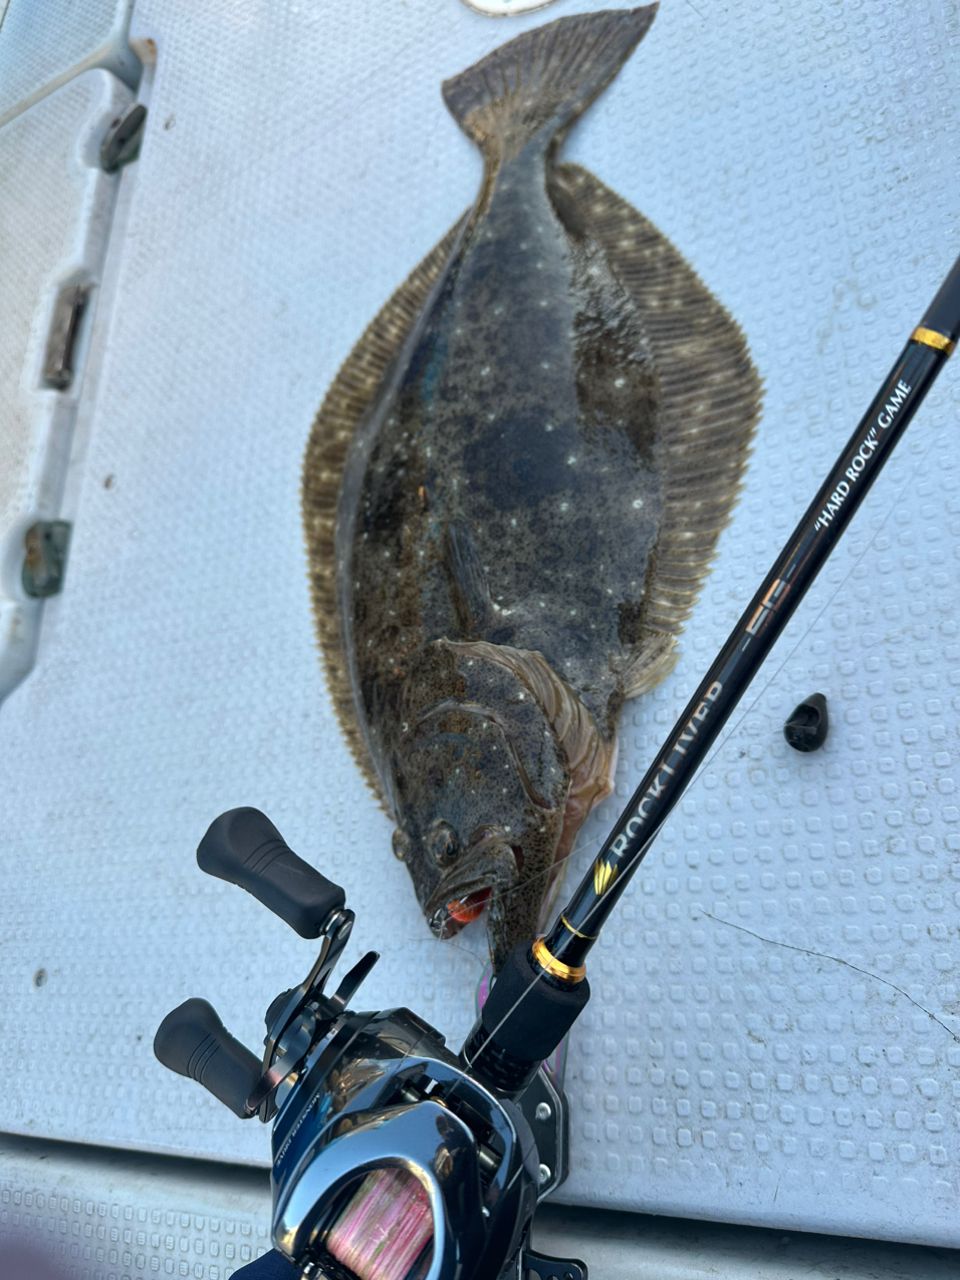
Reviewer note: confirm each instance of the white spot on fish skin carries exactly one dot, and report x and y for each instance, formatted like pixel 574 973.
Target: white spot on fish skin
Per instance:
pixel 491 417
pixel 619 382
pixel 524 244
pixel 484 371
pixel 544 364
pixel 637 504
pixel 544 302
pixel 573 613
pixel 609 591
pixel 548 426
pixel 498 310
pixel 513 521
pixel 564 506
pixel 572 461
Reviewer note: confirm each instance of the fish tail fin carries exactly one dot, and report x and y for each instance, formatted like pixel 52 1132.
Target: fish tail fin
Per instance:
pixel 535 87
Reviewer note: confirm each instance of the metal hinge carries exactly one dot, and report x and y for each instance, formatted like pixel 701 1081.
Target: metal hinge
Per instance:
pixel 121 143
pixel 61 345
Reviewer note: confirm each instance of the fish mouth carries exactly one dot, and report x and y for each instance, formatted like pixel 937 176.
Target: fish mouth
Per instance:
pixel 457 902
pixel 449 919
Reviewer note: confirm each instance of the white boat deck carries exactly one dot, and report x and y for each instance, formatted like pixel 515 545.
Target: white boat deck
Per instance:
pixel 774 1036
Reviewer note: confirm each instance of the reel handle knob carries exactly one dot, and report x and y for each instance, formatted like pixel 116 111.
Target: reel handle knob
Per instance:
pixel 245 848
pixel 192 1041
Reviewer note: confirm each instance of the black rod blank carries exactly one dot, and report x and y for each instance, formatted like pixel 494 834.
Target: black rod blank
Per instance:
pixel 566 946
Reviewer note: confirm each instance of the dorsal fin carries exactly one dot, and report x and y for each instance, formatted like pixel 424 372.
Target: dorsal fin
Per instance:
pixel 351 393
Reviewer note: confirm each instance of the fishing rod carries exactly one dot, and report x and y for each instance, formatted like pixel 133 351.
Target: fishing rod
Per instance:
pixel 395 1158
pixel 561 954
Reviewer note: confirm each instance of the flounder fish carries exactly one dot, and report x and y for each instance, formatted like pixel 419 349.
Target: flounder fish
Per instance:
pixel 513 489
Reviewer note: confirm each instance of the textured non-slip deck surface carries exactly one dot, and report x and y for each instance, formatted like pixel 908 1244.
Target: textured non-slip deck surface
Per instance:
pixel 774 1035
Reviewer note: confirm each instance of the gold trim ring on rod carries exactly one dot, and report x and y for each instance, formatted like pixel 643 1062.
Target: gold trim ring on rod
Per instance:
pixel 931 338
pixel 556 968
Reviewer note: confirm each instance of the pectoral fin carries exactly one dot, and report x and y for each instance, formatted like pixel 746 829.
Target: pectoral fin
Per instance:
pixel 468 579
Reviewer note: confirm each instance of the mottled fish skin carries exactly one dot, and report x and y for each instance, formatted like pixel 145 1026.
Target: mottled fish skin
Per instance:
pixel 500 513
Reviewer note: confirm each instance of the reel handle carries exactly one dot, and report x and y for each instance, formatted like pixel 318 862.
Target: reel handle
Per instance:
pixel 192 1041
pixel 243 847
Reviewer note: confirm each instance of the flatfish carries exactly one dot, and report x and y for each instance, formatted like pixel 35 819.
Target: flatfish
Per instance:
pixel 513 490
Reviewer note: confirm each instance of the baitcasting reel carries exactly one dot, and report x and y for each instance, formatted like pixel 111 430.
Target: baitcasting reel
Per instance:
pixel 390 1160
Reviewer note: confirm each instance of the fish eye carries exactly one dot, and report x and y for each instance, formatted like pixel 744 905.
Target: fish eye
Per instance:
pixel 442 843
pixel 401 845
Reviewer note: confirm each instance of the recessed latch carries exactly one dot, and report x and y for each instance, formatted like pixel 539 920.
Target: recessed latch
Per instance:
pixel 45 557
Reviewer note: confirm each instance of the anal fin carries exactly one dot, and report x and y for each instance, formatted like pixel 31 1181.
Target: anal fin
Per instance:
pixel 710 397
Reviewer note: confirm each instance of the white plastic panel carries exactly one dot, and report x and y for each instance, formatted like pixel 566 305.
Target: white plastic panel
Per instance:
pixel 43 46
pixel 89 1214
pixel 773 1036
pixel 54 223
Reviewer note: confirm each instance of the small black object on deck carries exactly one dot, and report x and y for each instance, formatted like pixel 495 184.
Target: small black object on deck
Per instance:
pixel 807 725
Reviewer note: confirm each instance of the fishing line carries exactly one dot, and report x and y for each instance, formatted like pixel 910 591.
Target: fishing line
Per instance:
pixel 731 731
